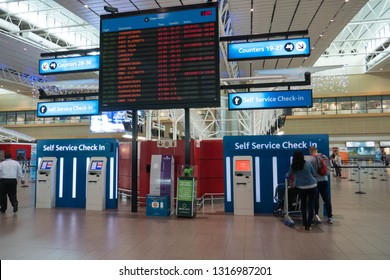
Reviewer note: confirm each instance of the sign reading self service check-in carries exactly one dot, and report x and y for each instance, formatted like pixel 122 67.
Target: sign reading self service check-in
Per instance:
pixel 71 108
pixel 68 65
pixel 269 49
pixel 271 99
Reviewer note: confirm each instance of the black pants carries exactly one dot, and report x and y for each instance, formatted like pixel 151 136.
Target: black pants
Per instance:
pixel 7 187
pixel 307 197
pixel 337 169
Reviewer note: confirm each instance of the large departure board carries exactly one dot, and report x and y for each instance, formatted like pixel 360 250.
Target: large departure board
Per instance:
pixel 160 59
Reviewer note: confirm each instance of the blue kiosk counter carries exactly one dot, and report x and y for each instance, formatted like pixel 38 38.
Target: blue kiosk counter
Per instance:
pixel 77 177
pixel 256 165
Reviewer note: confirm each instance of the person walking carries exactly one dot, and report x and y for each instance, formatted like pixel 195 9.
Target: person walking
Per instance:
pixel 10 170
pixel 306 184
pixel 316 159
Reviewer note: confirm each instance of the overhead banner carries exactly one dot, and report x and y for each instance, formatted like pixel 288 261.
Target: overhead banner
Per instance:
pixel 66 109
pixel 271 99
pixel 68 65
pixel 269 49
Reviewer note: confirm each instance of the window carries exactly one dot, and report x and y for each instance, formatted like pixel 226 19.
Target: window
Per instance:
pixel 329 106
pixel 345 105
pixel 299 111
pixel 20 118
pixel 386 103
pixel 374 104
pixel 30 117
pixel 316 109
pixel 359 105
pixel 3 118
pixel 11 118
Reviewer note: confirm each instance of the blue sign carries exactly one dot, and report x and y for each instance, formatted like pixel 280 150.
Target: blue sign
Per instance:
pixel 269 49
pixel 71 108
pixel 159 20
pixel 68 65
pixel 271 99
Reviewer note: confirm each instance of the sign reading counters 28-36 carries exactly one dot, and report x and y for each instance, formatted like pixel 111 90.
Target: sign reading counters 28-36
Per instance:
pixel 69 65
pixel 270 99
pixel 269 49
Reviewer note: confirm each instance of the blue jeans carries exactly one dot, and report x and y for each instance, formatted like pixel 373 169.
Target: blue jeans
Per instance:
pixel 307 197
pixel 325 194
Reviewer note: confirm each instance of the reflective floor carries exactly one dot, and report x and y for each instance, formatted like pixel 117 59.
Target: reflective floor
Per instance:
pixel 361 230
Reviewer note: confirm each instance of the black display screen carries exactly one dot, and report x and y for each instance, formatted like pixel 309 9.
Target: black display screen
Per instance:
pixel 160 59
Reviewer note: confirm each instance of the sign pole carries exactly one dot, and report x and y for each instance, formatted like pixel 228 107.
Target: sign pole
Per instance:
pixel 187 136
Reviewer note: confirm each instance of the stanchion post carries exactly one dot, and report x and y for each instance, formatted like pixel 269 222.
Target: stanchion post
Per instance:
pixel 351 173
pixel 360 183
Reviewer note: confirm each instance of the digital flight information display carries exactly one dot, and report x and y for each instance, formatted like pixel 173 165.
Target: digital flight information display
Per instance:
pixel 160 59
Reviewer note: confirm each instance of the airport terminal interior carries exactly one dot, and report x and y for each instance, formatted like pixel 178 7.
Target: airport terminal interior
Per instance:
pixel 73 128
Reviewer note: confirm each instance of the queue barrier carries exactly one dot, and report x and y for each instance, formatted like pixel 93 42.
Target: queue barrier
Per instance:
pixel 360 168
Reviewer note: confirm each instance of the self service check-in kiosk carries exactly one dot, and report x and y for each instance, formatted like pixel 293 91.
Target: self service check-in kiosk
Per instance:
pixel 96 184
pixel 46 183
pixel 243 185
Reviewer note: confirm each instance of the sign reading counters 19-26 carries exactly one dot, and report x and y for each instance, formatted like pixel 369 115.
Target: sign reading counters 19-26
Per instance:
pixel 270 99
pixel 269 49
pixel 160 59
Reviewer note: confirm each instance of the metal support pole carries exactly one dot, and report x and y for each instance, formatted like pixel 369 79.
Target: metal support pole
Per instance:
pixel 187 136
pixel 134 182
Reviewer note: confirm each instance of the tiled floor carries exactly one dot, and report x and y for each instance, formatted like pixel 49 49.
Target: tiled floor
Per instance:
pixel 361 231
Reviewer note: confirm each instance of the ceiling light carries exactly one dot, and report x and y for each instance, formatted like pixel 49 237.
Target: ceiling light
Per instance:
pixel 252 10
pixel 86 6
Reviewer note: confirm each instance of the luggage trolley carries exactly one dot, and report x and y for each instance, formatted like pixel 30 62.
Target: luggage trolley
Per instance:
pixel 287 202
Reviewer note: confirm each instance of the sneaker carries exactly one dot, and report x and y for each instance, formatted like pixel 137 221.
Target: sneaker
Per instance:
pixel 330 220
pixel 317 219
pixel 308 228
pixel 15 207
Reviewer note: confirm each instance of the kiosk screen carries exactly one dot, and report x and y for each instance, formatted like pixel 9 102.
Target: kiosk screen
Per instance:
pixel 46 164
pixel 243 165
pixel 96 165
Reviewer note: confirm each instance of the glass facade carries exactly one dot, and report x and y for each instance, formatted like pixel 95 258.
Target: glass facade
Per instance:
pixel 346 105
pixel 30 117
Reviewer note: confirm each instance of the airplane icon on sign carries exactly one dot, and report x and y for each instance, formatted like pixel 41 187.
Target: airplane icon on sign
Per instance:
pixel 289 47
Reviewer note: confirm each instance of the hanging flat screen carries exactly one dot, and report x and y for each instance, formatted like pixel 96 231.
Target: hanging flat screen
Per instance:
pixel 160 59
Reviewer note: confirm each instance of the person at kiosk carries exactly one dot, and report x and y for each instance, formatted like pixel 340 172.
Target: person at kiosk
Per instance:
pixel 306 183
pixel 10 170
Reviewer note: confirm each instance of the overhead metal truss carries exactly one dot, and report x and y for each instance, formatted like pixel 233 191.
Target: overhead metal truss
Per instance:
pixel 363 29
pixel 19 78
pixel 9 135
